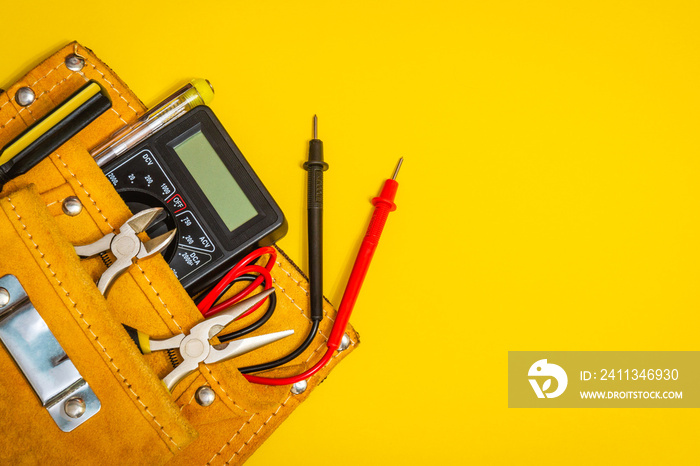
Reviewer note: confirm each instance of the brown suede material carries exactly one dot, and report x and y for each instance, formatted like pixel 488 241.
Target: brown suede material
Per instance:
pixel 138 415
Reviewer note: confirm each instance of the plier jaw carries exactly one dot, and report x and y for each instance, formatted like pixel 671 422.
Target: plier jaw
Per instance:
pixel 126 245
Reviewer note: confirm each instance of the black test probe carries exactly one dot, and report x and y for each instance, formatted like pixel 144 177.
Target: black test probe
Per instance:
pixel 315 167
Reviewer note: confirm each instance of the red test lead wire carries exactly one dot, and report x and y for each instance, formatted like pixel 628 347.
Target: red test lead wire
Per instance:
pixel 383 205
pixel 208 307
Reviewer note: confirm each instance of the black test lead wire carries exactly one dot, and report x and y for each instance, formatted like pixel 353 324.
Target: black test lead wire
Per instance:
pixel 315 166
pixel 258 323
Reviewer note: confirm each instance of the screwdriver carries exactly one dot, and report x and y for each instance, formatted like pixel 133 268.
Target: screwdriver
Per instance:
pixel 53 130
pixel 315 166
pixel 383 205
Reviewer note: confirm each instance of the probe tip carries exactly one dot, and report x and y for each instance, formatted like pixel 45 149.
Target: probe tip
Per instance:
pixel 315 127
pixel 398 167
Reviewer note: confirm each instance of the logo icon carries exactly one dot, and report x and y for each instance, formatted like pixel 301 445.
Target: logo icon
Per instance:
pixel 543 369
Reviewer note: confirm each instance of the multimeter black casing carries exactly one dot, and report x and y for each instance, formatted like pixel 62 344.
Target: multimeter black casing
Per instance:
pixel 152 175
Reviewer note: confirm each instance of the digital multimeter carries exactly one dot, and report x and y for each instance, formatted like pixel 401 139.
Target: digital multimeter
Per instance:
pixel 209 192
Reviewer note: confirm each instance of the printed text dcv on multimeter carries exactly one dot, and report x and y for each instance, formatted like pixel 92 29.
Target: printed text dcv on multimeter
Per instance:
pixel 220 207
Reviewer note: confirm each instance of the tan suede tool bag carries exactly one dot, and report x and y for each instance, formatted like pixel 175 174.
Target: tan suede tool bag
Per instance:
pixel 139 421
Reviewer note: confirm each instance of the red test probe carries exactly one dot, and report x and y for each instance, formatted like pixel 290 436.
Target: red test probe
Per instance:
pixel 382 206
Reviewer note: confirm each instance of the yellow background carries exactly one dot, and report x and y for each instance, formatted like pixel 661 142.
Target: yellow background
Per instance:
pixel 549 199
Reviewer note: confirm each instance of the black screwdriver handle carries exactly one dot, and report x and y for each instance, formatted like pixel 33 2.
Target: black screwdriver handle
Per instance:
pixel 56 135
pixel 315 167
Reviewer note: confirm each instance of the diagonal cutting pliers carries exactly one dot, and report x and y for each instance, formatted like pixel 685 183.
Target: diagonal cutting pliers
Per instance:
pixel 126 245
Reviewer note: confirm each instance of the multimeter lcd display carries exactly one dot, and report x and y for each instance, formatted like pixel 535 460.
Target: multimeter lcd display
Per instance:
pixel 217 183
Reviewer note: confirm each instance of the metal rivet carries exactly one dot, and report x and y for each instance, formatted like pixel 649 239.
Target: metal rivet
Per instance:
pixel 4 297
pixel 74 408
pixel 25 96
pixel 205 396
pixel 344 343
pixel 72 206
pixel 74 62
pixel 299 387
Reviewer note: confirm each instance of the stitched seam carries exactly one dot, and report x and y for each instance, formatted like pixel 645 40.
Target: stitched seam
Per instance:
pixel 316 350
pixel 112 109
pixel 143 272
pixel 289 274
pixel 36 99
pixel 51 71
pixel 35 82
pixel 224 390
pixel 231 439
pixel 8 121
pixel 94 67
pixel 94 203
pixel 88 326
pixel 279 264
pixel 352 343
pixel 298 283
pixel 119 115
pixel 31 114
pixel 261 427
pixel 191 399
pixel 297 306
pixel 51 89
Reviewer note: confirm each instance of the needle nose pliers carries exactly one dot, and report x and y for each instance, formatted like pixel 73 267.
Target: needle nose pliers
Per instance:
pixel 195 347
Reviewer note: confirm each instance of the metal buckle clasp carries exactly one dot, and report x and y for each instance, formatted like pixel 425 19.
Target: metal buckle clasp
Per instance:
pixel 62 390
